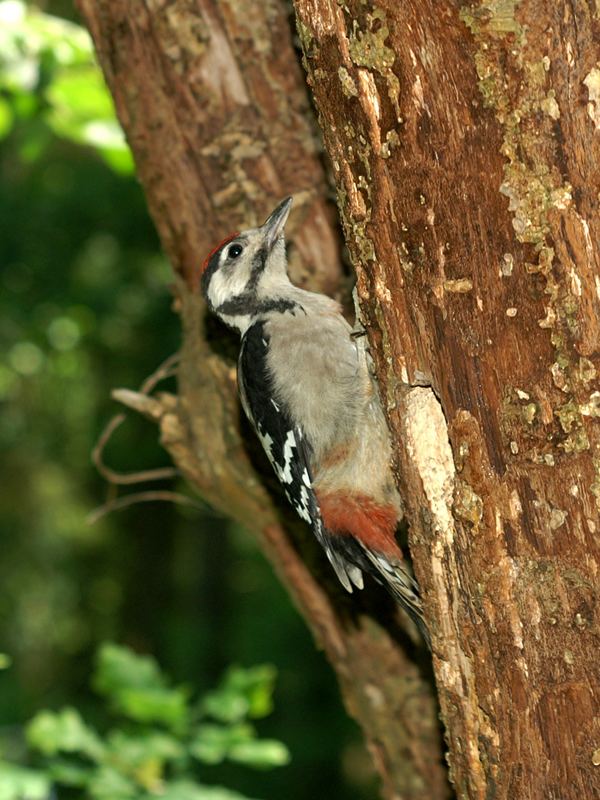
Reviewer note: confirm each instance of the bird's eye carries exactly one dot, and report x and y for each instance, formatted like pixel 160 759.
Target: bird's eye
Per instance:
pixel 235 250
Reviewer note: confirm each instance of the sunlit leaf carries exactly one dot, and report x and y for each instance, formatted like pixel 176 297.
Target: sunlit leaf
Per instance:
pixel 212 743
pixel 120 160
pixel 18 783
pixel 47 68
pixel 6 117
pixel 109 783
pixel 63 731
pixel 144 755
pixel 243 692
pixel 186 790
pixel 137 688
pixel 118 668
pixel 81 94
pixel 168 706
pixel 260 753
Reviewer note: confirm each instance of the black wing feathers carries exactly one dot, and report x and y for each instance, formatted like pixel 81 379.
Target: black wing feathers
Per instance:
pixel 284 443
pixel 279 436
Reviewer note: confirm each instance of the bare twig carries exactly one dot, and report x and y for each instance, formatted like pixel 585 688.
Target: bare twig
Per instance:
pixel 164 371
pixel 141 497
pixel 125 478
pixel 114 478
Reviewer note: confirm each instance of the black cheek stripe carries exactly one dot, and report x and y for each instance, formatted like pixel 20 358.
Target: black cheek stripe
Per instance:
pixel 259 262
pixel 247 303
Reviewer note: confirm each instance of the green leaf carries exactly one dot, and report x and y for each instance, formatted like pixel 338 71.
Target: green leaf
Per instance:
pixel 119 669
pixel 260 753
pixel 186 790
pixel 166 706
pixel 81 93
pixel 143 757
pixel 6 118
pixel 119 160
pixel 5 661
pixel 134 749
pixel 108 783
pixel 19 783
pixel 47 67
pixel 138 689
pixel 243 692
pixel 212 743
pixel 63 731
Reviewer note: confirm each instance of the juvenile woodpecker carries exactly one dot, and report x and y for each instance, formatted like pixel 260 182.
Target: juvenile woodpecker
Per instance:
pixel 306 387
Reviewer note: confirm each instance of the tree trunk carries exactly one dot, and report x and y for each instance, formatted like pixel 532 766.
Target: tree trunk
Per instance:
pixel 212 99
pixel 465 140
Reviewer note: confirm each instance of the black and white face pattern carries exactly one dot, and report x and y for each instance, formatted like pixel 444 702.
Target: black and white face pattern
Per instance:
pixel 246 274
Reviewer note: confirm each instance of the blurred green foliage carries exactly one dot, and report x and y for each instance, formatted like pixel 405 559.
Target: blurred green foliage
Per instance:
pixel 85 307
pixel 161 736
pixel 48 75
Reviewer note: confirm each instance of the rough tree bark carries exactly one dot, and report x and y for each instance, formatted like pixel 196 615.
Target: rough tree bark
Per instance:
pixel 465 141
pixel 213 101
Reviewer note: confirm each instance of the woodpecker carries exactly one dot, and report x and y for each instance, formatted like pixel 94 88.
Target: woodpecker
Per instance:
pixel 306 386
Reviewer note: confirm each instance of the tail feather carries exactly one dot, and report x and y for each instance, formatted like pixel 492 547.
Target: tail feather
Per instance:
pixel 359 536
pixel 394 575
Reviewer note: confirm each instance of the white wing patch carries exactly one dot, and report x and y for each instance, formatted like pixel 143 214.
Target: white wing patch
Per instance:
pixel 284 472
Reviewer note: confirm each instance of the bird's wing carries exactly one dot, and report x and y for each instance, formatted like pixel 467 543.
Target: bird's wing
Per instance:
pixel 285 445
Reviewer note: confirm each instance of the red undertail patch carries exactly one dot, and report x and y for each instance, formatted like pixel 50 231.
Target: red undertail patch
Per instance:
pixel 357 515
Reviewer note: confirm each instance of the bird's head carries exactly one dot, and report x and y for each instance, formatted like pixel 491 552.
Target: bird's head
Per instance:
pixel 246 275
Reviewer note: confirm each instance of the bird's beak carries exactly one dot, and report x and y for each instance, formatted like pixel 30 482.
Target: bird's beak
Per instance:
pixel 273 227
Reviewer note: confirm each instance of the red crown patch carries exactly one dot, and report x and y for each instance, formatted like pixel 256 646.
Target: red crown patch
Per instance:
pixel 215 249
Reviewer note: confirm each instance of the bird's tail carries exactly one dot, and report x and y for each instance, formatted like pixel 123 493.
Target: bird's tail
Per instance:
pixel 399 582
pixel 361 533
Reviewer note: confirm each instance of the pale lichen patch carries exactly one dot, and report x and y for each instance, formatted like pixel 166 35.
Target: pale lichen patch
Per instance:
pixel 550 106
pixel 557 518
pixel 507 265
pixel 592 82
pixel 569 416
pixel 382 292
pixel 347 81
pixel 576 442
pixel 550 319
pixel 467 503
pixel 391 140
pixel 496 17
pixel 586 370
pixel 592 407
pixel 458 285
pixel 514 82
pixel 529 412
pixel 516 509
pixel 367 48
